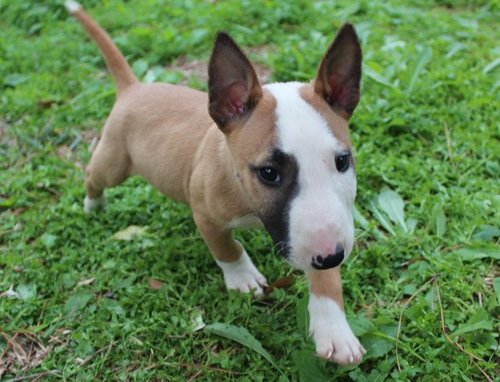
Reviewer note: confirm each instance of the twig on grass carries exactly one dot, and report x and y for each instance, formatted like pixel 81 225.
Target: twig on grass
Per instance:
pixel 425 285
pixel 106 348
pixel 211 368
pixel 23 351
pixel 194 376
pixel 35 376
pixel 105 357
pixel 472 356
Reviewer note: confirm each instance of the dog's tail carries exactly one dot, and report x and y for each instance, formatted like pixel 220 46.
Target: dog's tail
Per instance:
pixel 117 65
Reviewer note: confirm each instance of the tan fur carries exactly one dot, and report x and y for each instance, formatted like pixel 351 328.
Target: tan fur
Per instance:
pixel 327 283
pixel 164 134
pixel 160 132
pixel 153 131
pixel 217 196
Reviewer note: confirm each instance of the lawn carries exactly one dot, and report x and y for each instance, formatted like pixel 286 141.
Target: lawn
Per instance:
pixel 81 299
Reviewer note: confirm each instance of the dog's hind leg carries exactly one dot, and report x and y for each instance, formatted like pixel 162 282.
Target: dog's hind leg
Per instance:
pixel 239 271
pixel 108 167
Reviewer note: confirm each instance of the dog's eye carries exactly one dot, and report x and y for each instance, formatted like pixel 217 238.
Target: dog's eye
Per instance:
pixel 269 176
pixel 342 162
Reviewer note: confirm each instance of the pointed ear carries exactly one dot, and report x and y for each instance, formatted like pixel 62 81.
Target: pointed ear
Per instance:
pixel 339 72
pixel 233 86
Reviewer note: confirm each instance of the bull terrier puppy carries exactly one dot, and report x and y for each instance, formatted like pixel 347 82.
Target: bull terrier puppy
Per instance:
pixel 277 155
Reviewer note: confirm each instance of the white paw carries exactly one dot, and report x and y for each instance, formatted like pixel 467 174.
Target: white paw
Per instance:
pixel 90 204
pixel 331 333
pixel 242 275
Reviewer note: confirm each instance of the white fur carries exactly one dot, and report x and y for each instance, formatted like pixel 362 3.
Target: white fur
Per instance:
pixel 72 6
pixel 331 333
pixel 90 204
pixel 242 275
pixel 320 216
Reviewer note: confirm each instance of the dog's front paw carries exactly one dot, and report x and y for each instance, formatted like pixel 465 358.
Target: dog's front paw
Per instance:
pixel 331 333
pixel 338 345
pixel 242 275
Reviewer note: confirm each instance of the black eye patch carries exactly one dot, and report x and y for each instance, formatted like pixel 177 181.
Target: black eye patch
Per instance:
pixel 271 173
pixel 274 212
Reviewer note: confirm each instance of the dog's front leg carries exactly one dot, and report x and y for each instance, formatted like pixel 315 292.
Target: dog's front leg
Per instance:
pixel 328 326
pixel 239 271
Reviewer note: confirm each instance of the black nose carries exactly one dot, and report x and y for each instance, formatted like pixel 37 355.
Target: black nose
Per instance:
pixel 330 261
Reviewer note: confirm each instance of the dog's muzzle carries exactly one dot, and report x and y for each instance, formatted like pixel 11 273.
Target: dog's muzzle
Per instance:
pixel 330 261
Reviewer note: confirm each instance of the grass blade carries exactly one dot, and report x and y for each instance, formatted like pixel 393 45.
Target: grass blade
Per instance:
pixel 393 205
pixel 242 336
pixel 308 366
pixel 491 66
pixel 423 60
pixel 378 78
pixel 361 220
pixel 380 217
pixel 479 321
pixel 438 220
pixel 473 253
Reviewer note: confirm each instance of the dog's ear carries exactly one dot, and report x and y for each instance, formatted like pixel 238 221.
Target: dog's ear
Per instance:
pixel 339 72
pixel 233 86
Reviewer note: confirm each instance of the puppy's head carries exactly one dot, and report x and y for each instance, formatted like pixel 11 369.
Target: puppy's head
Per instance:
pixel 290 147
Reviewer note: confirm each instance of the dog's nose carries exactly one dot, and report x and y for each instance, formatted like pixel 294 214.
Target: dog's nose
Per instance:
pixel 329 261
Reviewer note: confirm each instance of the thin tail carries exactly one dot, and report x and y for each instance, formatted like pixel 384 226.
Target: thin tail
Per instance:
pixel 117 65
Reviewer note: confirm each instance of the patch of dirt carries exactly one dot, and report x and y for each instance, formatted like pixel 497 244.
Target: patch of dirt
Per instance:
pixel 22 352
pixel 189 68
pixel 4 136
pixel 200 68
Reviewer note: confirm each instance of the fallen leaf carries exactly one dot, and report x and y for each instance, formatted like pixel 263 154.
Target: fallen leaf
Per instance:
pixel 197 320
pixel 155 284
pixel 49 240
pixel 48 103
pixel 10 292
pixel 86 282
pixel 130 233
pixel 80 361
pixel 281 283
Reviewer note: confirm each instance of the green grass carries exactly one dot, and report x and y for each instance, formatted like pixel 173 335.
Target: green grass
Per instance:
pixel 427 128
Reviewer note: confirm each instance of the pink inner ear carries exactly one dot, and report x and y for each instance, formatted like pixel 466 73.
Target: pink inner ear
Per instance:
pixel 237 96
pixel 340 92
